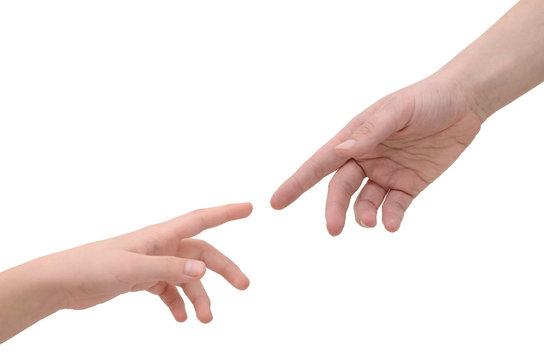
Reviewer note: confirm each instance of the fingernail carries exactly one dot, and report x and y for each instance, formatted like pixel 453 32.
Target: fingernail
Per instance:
pixel 346 145
pixel 193 268
pixel 363 224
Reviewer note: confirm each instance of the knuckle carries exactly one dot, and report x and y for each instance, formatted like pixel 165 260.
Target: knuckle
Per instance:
pixel 332 184
pixel 202 247
pixel 298 183
pixel 202 244
pixel 348 187
pixel 161 290
pixel 196 212
pixel 203 299
pixel 398 206
pixel 366 129
pixel 316 169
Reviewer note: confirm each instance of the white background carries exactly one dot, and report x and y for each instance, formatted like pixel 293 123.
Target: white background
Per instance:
pixel 118 114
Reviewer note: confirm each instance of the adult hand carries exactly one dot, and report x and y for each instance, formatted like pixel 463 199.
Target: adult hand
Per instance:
pixel 402 143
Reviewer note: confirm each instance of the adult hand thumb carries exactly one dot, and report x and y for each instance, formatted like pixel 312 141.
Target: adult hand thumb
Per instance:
pixel 372 131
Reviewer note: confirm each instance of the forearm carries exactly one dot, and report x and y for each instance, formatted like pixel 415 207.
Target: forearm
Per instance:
pixel 27 295
pixel 505 62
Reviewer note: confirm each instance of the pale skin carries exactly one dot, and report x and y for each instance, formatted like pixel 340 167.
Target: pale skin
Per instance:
pixel 400 144
pixel 158 259
pixel 403 142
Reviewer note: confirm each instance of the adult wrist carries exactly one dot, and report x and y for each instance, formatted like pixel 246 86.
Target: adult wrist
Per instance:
pixel 466 88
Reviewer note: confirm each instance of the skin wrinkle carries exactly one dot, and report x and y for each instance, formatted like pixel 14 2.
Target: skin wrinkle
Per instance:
pixel 417 156
pixel 348 187
pixel 298 183
pixel 159 240
pixel 405 113
pixel 317 169
pixel 392 205
pixel 372 201
pixel 387 184
pixel 412 197
pixel 366 129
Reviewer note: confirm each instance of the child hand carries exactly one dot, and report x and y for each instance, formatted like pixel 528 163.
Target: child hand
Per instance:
pixel 157 258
